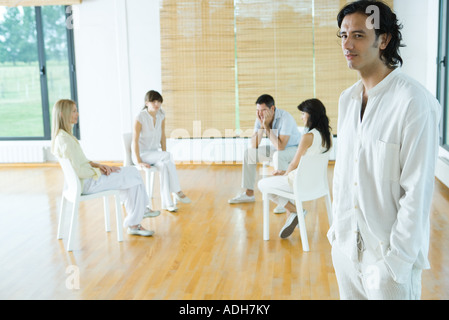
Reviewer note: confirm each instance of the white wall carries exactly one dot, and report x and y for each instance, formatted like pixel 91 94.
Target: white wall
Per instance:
pixel 420 33
pixel 420 20
pixel 145 50
pixel 117 49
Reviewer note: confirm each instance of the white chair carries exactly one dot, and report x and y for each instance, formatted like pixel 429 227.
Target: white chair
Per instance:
pixel 310 183
pixel 149 172
pixel 266 164
pixel 72 193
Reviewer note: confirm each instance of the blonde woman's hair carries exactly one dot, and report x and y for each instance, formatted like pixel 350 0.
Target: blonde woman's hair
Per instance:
pixel 62 113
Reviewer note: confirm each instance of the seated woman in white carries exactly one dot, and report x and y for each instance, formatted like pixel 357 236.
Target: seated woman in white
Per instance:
pixel 316 141
pixel 148 137
pixel 95 177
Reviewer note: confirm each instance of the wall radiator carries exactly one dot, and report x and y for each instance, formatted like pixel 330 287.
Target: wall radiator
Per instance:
pixel 22 154
pixel 221 150
pixel 193 151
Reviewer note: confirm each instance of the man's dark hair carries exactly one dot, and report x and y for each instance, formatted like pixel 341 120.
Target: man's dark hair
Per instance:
pixel 388 24
pixel 266 99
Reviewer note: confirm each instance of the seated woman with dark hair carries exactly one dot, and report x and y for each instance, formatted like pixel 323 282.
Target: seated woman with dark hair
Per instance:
pixel 317 140
pixel 148 138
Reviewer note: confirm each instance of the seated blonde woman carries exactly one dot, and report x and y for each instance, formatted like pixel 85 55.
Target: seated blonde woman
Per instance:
pixel 317 140
pixel 97 177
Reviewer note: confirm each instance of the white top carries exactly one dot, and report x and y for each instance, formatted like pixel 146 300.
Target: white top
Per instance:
pixel 151 132
pixel 385 172
pixel 315 148
pixel 317 144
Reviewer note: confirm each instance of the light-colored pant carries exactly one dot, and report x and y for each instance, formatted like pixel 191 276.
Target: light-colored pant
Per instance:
pixel 169 181
pixel 252 156
pixel 369 278
pixel 279 183
pixel 132 192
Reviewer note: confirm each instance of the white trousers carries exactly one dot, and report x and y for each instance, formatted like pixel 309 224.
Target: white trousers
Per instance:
pixel 279 183
pixel 252 156
pixel 369 278
pixel 169 181
pixel 132 192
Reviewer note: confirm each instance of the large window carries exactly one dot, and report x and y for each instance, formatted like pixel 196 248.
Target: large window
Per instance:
pixel 36 69
pixel 443 74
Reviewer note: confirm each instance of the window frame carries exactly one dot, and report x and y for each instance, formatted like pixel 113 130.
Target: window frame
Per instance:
pixel 443 73
pixel 44 81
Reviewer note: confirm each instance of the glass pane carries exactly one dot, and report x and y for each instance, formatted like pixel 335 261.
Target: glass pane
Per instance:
pixel 20 92
pixel 56 53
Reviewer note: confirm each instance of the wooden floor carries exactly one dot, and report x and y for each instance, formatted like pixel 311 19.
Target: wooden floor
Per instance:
pixel 207 250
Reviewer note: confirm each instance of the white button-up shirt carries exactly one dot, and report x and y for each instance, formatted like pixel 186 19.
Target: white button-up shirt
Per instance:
pixel 385 172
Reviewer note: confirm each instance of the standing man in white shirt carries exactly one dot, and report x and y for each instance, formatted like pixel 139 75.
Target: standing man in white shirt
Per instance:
pixel 385 166
pixel 281 129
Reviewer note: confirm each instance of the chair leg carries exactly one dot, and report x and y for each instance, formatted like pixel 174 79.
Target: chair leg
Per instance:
pixel 266 217
pixel 107 220
pixel 302 227
pixel 265 166
pixel 149 187
pixel 73 224
pixel 118 216
pixel 149 181
pixel 61 217
pixel 328 201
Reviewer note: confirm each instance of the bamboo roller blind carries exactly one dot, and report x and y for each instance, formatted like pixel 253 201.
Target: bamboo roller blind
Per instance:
pixel 332 74
pixel 198 77
pixel 219 56
pixel 274 54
